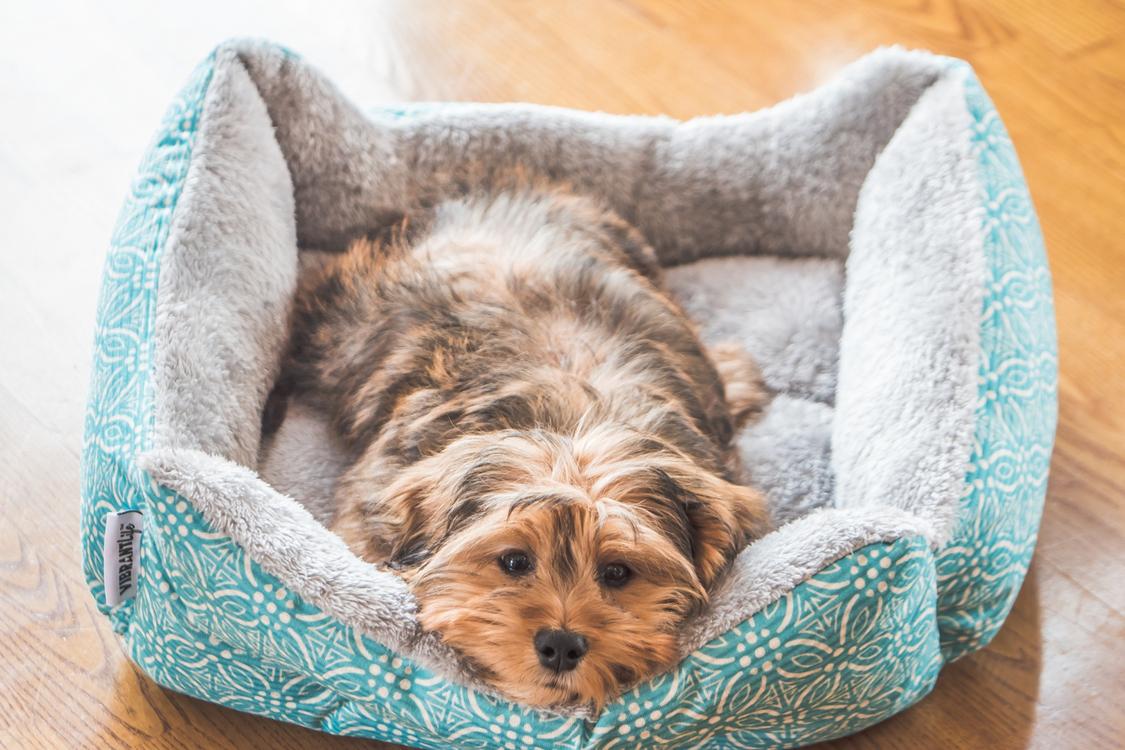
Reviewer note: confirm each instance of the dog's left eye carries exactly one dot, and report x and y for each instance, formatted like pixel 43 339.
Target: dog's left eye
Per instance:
pixel 515 563
pixel 615 575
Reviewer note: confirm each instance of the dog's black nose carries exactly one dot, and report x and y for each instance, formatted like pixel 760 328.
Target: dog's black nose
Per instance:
pixel 559 650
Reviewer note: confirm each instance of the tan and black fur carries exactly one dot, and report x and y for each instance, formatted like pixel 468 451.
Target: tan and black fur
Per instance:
pixel 511 378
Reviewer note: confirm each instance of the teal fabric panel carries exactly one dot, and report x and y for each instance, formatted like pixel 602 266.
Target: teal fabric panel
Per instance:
pixel 980 571
pixel 118 414
pixel 860 635
pixel 847 648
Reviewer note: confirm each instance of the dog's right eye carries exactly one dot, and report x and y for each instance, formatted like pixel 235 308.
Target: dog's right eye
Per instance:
pixel 515 563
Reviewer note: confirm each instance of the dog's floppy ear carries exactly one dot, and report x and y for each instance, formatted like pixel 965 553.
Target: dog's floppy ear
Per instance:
pixel 392 527
pixel 724 518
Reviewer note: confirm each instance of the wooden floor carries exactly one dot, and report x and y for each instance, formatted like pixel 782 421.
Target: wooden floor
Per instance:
pixel 82 89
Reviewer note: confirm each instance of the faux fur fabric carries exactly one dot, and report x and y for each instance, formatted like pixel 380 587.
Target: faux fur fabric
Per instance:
pixel 779 181
pixel 910 347
pixel 303 460
pixel 786 313
pixel 873 366
pixel 788 454
pixel 228 274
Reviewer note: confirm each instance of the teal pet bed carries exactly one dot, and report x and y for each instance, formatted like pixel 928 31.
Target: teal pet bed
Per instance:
pixel 872 243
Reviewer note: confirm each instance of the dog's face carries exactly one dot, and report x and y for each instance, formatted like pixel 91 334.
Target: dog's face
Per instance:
pixel 562 567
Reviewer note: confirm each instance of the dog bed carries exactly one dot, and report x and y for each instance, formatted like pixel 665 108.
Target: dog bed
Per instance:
pixel 872 243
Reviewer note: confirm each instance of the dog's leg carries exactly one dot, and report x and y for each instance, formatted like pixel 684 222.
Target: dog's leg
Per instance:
pixel 745 391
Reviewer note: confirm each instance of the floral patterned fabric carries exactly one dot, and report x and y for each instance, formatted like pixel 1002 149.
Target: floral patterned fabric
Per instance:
pixel 981 569
pixel 859 641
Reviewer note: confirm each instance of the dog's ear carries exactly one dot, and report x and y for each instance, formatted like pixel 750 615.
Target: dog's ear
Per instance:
pixel 411 499
pixel 392 527
pixel 724 518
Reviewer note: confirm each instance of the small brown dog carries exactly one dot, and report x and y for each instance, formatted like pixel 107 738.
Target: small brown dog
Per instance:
pixel 542 444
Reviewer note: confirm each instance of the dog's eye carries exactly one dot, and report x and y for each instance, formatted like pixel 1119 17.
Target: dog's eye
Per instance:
pixel 616 575
pixel 515 563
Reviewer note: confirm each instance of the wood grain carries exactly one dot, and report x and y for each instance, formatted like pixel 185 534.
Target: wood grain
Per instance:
pixel 83 87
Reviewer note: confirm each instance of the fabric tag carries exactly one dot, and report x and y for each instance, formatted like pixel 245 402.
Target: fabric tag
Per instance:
pixel 121 555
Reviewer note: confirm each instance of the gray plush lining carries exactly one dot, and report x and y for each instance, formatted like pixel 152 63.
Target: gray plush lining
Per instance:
pixel 875 377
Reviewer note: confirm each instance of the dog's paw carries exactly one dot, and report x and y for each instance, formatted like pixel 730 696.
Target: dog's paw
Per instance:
pixel 745 391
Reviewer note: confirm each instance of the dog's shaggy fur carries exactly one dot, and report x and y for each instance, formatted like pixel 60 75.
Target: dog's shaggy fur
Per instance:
pixel 516 386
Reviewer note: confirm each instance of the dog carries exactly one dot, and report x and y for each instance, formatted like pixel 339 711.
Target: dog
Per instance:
pixel 542 447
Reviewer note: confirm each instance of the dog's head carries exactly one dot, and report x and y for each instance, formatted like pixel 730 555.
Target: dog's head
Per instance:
pixel 562 567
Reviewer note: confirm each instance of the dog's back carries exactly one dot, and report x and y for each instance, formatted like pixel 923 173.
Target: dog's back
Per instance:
pixel 524 310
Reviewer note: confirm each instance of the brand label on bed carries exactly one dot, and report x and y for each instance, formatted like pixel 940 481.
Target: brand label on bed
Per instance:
pixel 121 555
